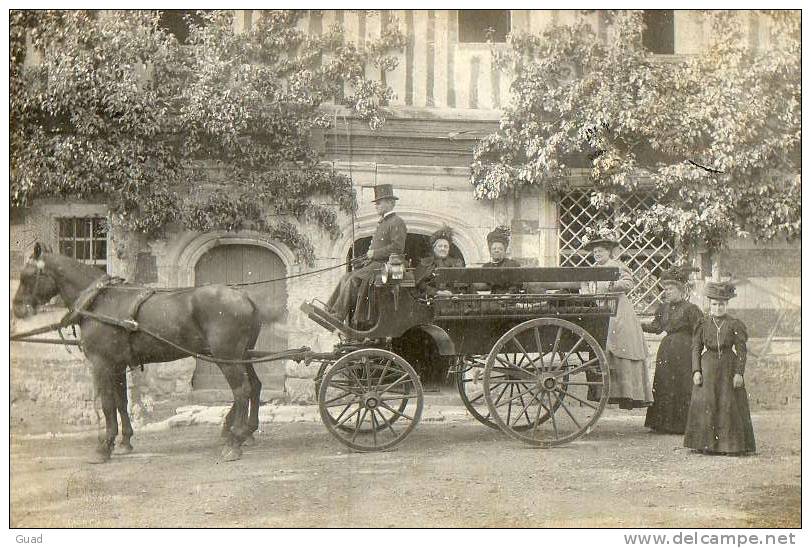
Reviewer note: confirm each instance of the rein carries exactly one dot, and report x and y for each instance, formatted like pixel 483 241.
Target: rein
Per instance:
pixel 87 297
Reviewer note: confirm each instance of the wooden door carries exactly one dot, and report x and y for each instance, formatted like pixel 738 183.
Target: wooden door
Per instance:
pixel 237 264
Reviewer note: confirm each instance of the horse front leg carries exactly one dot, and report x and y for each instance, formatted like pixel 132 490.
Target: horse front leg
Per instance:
pixel 122 404
pixel 237 378
pixel 104 381
pixel 253 403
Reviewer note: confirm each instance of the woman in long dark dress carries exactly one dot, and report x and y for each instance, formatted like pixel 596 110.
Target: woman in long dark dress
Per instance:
pixel 719 419
pixel 672 382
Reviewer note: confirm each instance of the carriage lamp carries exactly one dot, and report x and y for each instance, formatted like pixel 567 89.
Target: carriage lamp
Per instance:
pixel 394 269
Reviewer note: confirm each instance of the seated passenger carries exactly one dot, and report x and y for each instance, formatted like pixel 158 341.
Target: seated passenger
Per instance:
pixel 389 238
pixel 498 241
pixel 440 246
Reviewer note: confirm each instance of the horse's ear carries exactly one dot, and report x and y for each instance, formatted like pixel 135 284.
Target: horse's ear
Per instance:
pixel 37 250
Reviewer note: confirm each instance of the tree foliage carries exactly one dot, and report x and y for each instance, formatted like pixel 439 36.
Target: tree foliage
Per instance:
pixel 716 134
pixel 216 133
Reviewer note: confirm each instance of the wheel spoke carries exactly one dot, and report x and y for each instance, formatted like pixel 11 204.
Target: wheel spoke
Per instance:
pixel 552 415
pixel 512 397
pixel 498 399
pixel 540 346
pixel 349 416
pixel 374 428
pixel 524 409
pixel 385 421
pixel 566 408
pixel 396 398
pixel 348 405
pixel 521 347
pixel 399 414
pixel 366 372
pixel 339 404
pixel 562 391
pixel 555 346
pixel 538 416
pixel 382 375
pixel 360 421
pixel 510 408
pixel 395 383
pixel 336 398
pixel 571 350
pixel 584 383
pixel 582 367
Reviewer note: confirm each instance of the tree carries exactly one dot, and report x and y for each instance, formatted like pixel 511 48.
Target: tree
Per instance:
pixel 216 133
pixel 716 135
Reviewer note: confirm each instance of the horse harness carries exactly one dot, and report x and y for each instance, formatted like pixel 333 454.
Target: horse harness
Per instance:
pixel 81 308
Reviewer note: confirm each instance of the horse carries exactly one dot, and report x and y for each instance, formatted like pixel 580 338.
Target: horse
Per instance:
pixel 214 320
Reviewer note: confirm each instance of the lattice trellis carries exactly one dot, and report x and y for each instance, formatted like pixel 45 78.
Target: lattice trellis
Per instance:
pixel 646 255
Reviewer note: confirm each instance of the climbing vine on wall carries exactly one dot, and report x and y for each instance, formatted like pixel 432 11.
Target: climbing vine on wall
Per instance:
pixel 215 133
pixel 716 134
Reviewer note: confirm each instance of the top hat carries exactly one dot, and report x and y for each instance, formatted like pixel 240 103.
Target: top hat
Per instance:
pixel 719 291
pixel 384 192
pixel 499 234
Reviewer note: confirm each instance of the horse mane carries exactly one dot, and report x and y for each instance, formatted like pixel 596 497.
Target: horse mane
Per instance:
pixel 68 266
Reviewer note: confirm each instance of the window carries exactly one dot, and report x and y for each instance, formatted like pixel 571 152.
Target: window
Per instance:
pixel 659 35
pixel 646 255
pixel 177 22
pixel 83 239
pixel 477 26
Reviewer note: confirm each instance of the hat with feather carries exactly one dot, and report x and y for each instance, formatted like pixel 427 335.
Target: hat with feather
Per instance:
pixel 602 236
pixel 676 275
pixel 719 291
pixel 499 234
pixel 444 233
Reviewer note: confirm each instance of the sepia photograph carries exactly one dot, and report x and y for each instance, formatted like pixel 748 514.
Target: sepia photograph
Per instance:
pixel 405 268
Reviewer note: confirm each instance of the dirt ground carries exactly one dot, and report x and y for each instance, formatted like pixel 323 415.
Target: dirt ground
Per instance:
pixel 447 474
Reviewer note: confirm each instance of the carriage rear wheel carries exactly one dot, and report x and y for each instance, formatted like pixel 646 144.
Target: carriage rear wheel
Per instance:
pixel 546 382
pixel 470 383
pixel 370 399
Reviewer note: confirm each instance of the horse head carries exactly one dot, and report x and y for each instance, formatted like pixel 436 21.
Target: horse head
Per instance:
pixel 37 285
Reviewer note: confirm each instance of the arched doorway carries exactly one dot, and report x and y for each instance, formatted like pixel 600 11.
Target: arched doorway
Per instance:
pixel 237 263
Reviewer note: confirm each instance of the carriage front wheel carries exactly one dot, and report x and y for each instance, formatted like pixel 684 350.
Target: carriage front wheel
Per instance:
pixel 370 399
pixel 546 382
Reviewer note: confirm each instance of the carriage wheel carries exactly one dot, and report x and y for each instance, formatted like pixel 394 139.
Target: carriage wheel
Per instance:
pixel 555 372
pixel 470 383
pixel 364 428
pixel 370 399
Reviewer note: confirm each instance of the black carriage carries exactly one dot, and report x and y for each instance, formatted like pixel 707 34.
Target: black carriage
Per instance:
pixel 529 363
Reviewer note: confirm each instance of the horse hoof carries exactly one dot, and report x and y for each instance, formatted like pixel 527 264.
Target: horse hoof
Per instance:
pixel 231 454
pixel 124 449
pixel 98 457
pixel 249 441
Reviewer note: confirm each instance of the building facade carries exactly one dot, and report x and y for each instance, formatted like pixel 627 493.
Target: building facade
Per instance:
pixel 448 95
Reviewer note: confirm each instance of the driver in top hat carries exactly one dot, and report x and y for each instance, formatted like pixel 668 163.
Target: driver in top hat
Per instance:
pixel 389 239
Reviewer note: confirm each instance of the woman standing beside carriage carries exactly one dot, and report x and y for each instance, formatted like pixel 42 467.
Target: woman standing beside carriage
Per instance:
pixel 672 382
pixel 719 421
pixel 626 349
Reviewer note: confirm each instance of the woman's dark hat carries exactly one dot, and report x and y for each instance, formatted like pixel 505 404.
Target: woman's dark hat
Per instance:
pixel 444 233
pixel 677 275
pixel 499 234
pixel 384 192
pixel 719 291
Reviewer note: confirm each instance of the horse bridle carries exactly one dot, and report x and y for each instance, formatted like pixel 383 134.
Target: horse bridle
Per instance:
pixel 39 265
